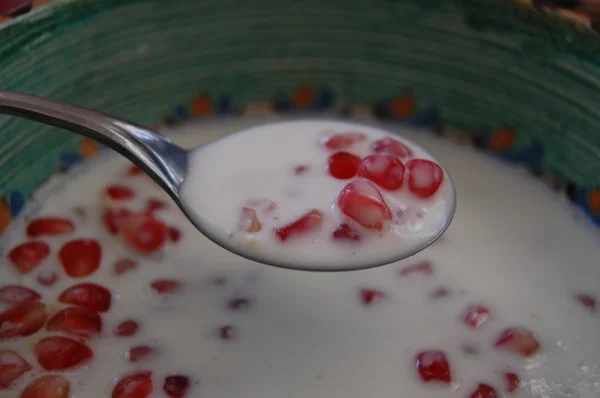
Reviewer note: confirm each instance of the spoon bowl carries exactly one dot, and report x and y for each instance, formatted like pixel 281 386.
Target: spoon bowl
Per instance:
pixel 169 165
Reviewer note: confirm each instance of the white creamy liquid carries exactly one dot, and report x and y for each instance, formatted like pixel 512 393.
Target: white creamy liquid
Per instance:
pixel 514 246
pixel 259 163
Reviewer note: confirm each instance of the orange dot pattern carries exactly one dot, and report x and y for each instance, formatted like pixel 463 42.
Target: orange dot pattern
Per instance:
pixel 502 139
pixel 201 106
pixel 403 106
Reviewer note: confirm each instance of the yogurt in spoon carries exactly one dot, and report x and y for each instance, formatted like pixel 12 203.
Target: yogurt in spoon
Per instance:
pixel 318 195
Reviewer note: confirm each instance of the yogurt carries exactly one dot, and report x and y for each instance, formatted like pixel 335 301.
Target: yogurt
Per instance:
pixel 506 299
pixel 318 195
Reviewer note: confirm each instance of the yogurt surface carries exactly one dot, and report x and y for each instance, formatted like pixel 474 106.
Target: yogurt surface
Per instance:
pixel 509 291
pixel 318 195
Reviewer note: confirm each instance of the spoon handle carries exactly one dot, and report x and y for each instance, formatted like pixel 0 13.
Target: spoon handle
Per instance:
pixel 155 154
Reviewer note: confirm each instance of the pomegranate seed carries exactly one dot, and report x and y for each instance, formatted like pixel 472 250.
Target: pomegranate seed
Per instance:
pixel 346 232
pixel 475 316
pixel 119 192
pixel 144 233
pixel 59 353
pixel 154 204
pixel 140 353
pixel 343 165
pixel 22 319
pixel 305 224
pixel 238 304
pixel 512 381
pixel 301 169
pixel 587 301
pixel 519 341
pixel 127 328
pixel 248 221
pixel 392 147
pixel 125 265
pixel 87 295
pixel 424 268
pixel 137 385
pixel 78 321
pixel 433 366
pixel 384 170
pixel 176 386
pixel 174 234
pixel 80 257
pixel 50 386
pixel 484 391
pixel 166 286
pixel 29 255
pixel 361 201
pixel 12 367
pixel 13 294
pixel 113 219
pixel 370 297
pixel 47 278
pixel 134 170
pixel 50 226
pixel 424 177
pixel 227 332
pixel 342 141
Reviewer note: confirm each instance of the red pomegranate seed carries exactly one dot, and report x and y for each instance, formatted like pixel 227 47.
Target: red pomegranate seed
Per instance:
pixel 475 316
pixel 113 219
pixel 433 366
pixel 384 170
pixel 239 304
pixel 49 226
pixel 140 353
pixel 301 169
pixel 248 221
pixel 124 265
pixel 424 268
pixel 119 192
pixel 176 386
pixel 227 332
pixel 587 301
pixel 59 353
pixel 29 255
pixel 127 328
pixel 144 233
pixel 12 367
pixel 87 295
pixel 174 234
pixel 134 170
pixel 519 341
pixel 47 278
pixel 392 147
pixel 13 294
pixel 424 177
pixel 137 385
pixel 343 165
pixel 512 381
pixel 166 286
pixel 50 386
pixel 370 297
pixel 155 204
pixel 80 257
pixel 346 232
pixel 78 321
pixel 361 201
pixel 22 319
pixel 484 391
pixel 309 222
pixel 342 141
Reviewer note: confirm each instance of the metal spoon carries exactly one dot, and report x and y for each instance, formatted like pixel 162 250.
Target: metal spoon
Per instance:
pixel 158 156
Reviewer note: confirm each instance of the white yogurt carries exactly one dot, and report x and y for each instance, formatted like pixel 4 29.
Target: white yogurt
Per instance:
pixel 285 165
pixel 514 247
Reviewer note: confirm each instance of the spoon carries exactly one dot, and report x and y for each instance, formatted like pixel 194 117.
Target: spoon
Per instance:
pixel 169 165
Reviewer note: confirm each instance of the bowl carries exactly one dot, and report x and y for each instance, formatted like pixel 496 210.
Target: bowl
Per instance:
pixel 503 79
